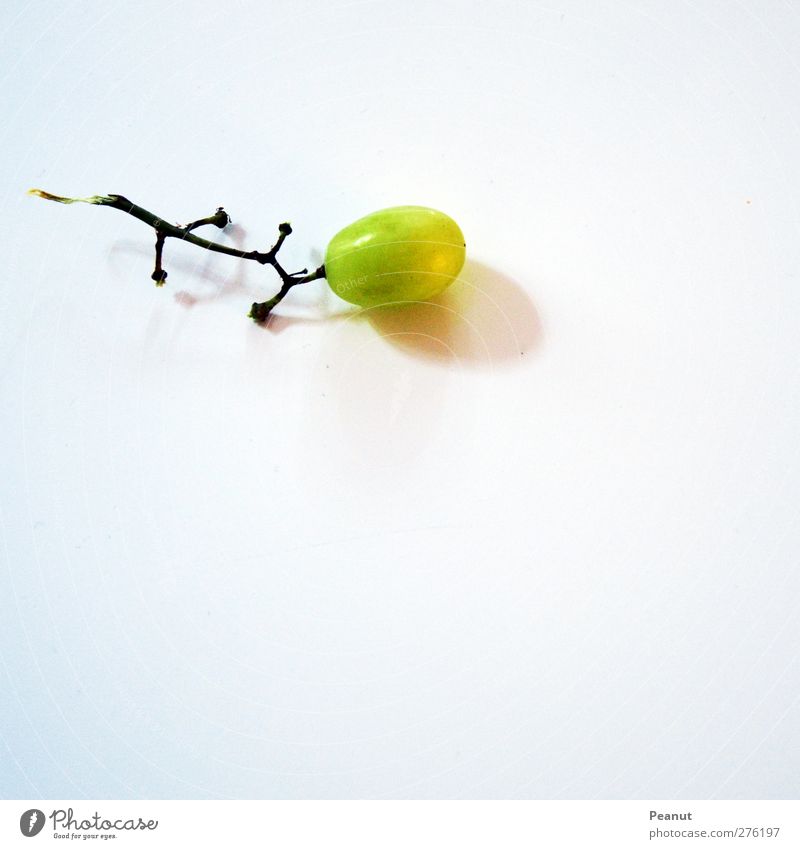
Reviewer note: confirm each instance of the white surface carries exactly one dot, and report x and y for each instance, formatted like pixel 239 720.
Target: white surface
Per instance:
pixel 545 547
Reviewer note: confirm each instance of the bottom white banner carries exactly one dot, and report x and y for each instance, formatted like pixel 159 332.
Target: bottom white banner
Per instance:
pixel 403 824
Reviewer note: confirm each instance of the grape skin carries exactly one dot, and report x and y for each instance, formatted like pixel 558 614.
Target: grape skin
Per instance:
pixel 403 253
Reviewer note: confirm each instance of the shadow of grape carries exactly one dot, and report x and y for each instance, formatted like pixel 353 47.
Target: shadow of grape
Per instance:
pixel 485 319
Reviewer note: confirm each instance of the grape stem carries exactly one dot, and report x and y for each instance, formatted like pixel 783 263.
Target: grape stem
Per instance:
pixel 259 312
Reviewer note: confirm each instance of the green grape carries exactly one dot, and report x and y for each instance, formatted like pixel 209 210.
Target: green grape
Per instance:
pixel 404 253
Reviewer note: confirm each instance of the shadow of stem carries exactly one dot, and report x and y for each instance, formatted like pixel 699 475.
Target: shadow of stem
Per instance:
pixel 203 266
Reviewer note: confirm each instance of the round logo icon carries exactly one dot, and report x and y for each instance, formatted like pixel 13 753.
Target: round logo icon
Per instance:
pixel 31 822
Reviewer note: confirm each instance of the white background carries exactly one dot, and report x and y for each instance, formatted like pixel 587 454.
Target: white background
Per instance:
pixel 537 540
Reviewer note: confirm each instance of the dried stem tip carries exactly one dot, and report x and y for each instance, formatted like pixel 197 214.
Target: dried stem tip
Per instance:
pixel 98 199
